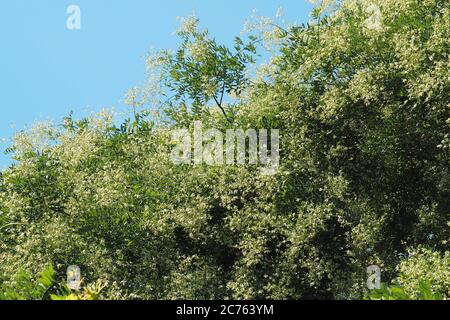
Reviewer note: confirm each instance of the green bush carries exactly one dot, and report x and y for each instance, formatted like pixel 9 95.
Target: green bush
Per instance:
pixel 428 267
pixel 45 287
pixel 25 288
pixel 424 292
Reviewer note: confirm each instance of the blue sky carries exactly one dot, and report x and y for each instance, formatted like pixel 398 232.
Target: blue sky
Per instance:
pixel 47 70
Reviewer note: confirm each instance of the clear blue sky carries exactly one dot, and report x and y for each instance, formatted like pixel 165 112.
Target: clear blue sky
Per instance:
pixel 47 70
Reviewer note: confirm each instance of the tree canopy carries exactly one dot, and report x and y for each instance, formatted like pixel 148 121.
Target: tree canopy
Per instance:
pixel 364 179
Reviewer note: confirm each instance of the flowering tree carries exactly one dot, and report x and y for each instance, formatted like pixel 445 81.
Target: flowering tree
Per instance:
pixel 361 97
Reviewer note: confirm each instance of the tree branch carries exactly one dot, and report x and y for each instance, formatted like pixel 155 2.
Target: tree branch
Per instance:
pixel 223 92
pixel 219 103
pixel 221 108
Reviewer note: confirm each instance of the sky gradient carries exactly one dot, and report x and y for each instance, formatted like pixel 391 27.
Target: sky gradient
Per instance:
pixel 47 70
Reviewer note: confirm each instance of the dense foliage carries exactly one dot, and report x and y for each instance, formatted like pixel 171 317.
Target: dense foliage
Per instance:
pixel 364 176
pixel 45 287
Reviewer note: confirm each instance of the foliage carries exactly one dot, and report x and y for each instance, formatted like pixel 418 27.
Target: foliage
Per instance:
pixel 423 276
pixel 90 292
pixel 24 288
pixel 398 293
pixel 425 266
pixel 201 70
pixel 364 175
pixel 45 288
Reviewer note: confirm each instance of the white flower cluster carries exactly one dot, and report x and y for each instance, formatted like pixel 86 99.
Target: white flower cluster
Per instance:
pixel 188 25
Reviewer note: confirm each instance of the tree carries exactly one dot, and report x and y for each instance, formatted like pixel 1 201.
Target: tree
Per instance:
pixel 364 174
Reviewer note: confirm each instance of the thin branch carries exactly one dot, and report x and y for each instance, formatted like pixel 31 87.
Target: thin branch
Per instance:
pixel 221 108
pixel 219 103
pixel 223 92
